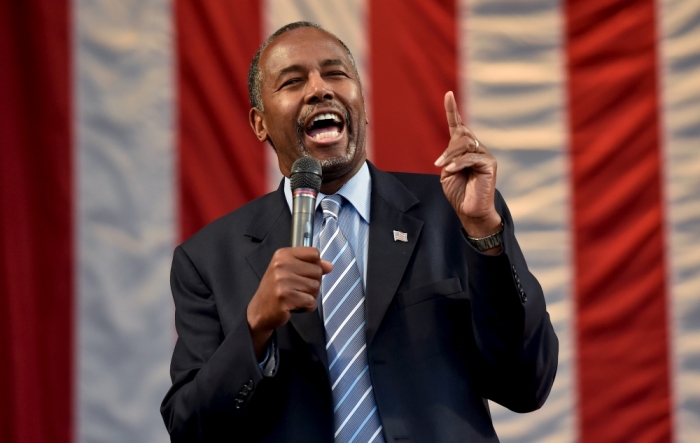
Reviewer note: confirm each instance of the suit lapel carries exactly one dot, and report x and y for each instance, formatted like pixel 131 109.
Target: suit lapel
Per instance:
pixel 387 258
pixel 272 229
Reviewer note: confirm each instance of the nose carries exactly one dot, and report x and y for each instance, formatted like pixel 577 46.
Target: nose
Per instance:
pixel 317 89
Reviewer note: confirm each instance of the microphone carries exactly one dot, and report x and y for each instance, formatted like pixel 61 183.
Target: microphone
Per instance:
pixel 305 180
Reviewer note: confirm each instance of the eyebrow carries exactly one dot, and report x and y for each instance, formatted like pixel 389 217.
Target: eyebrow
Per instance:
pixel 332 62
pixel 297 67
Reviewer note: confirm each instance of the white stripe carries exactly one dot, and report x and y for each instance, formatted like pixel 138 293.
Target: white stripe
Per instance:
pixel 352 385
pixel 335 234
pixel 352 263
pixel 125 157
pixel 357 330
pixel 335 202
pixel 335 259
pixel 340 303
pixel 353 411
pixel 679 28
pixel 344 18
pixel 362 425
pixel 340 377
pixel 513 73
pixel 375 434
pixel 340 328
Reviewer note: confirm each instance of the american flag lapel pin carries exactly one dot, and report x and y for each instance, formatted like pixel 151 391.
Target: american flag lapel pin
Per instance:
pixel 400 236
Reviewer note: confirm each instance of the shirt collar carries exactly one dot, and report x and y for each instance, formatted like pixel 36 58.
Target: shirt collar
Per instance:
pixel 357 191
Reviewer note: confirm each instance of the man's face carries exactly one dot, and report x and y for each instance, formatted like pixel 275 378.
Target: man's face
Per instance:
pixel 313 103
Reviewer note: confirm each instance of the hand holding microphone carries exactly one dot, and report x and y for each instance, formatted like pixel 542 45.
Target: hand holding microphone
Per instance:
pixel 293 278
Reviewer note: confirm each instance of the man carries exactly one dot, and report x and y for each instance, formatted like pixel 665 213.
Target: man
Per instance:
pixel 427 308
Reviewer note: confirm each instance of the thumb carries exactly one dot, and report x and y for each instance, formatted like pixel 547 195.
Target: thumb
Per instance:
pixel 326 266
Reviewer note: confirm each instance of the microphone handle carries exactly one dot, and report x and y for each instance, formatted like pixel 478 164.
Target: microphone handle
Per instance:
pixel 303 209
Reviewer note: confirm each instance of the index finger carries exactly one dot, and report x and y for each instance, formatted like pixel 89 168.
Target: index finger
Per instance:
pixel 454 120
pixel 312 255
pixel 306 253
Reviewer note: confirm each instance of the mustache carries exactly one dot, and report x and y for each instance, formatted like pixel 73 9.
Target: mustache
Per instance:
pixel 337 106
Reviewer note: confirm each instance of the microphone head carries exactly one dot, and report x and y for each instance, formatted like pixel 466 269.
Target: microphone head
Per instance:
pixel 306 173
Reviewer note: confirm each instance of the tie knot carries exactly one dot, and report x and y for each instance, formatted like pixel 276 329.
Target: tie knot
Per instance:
pixel 331 206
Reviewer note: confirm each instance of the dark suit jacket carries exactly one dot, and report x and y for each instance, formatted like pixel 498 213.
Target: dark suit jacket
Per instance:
pixel 447 328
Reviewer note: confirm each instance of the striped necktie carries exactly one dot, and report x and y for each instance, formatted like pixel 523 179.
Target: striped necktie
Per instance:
pixel 355 409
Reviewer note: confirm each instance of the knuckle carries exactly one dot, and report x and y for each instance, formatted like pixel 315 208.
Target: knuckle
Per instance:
pixel 275 275
pixel 315 285
pixel 276 263
pixel 311 304
pixel 284 294
pixel 282 288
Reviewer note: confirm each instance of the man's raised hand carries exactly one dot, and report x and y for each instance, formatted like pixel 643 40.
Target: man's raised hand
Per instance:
pixel 468 176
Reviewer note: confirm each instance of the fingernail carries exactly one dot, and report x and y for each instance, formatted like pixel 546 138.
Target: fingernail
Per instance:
pixel 440 159
pixel 451 167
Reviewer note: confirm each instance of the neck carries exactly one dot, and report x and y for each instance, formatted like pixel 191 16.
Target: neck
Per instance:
pixel 331 185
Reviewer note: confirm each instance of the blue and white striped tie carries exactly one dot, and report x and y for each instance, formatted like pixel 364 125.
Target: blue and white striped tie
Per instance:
pixel 355 409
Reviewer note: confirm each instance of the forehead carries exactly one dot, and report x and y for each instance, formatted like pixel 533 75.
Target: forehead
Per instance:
pixel 306 47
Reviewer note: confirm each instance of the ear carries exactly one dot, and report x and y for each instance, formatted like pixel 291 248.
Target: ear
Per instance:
pixel 257 122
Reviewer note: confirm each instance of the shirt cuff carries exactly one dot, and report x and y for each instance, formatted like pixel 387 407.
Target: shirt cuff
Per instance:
pixel 268 366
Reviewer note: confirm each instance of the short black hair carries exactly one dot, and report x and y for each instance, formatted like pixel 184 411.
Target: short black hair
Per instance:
pixel 254 74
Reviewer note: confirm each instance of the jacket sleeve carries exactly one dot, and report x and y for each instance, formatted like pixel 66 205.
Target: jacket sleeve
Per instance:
pixel 214 374
pixel 512 329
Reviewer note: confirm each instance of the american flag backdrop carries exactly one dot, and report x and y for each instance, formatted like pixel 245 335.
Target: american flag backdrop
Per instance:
pixel 124 129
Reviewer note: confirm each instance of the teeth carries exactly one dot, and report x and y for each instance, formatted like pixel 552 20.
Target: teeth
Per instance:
pixel 326 116
pixel 324 135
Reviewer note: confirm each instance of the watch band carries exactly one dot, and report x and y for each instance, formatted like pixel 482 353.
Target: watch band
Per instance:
pixel 488 242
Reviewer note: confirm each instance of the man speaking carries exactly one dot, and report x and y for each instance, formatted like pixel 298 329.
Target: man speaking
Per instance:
pixel 413 307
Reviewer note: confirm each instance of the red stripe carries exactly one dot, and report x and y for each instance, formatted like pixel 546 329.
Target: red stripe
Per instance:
pixel 304 191
pixel 622 338
pixel 36 234
pixel 413 63
pixel 222 163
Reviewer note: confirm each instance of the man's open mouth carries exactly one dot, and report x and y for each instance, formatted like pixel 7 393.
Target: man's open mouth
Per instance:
pixel 325 126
